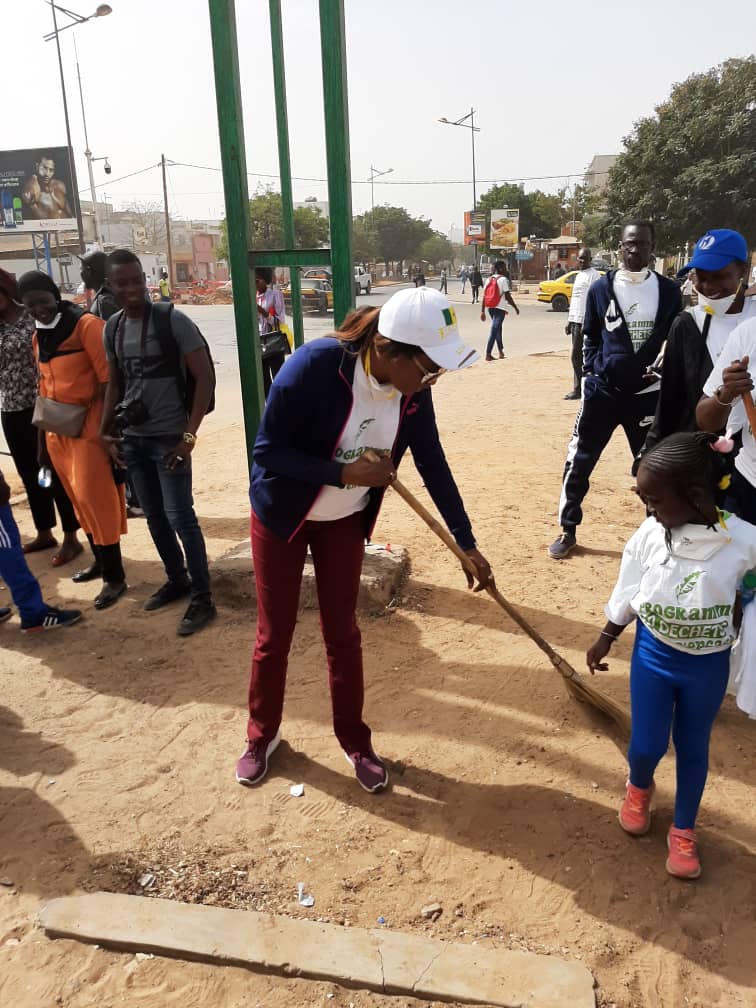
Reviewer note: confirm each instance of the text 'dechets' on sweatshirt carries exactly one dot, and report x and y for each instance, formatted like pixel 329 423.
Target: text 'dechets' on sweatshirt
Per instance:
pixel 625 326
pixel 685 595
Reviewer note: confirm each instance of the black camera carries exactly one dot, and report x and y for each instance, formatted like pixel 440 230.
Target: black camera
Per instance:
pixel 130 413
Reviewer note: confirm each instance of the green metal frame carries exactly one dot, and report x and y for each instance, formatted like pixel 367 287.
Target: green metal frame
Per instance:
pixel 242 259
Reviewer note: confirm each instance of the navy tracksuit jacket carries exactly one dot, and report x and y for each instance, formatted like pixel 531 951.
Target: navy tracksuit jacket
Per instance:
pixel 614 373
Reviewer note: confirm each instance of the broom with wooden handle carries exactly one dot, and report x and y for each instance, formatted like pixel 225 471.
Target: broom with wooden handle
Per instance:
pixel 577 684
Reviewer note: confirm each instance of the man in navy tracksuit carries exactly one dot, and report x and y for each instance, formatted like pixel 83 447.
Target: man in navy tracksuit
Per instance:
pixel 627 318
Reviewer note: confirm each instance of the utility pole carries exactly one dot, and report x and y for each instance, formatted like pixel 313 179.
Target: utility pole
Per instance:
pixel 71 166
pixel 171 279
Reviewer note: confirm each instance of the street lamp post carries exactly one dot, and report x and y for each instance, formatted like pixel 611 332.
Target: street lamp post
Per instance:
pixel 374 174
pixel 76 19
pixel 473 130
pixel 99 238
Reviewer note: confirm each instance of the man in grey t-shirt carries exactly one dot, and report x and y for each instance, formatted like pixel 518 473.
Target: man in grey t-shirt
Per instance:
pixel 152 351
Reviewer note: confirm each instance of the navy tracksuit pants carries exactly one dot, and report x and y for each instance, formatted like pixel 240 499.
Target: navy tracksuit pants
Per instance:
pixel 602 410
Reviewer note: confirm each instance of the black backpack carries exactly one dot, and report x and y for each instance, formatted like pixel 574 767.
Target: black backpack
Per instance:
pixel 161 316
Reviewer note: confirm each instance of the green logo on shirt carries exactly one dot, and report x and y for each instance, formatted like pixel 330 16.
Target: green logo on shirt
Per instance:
pixel 687 584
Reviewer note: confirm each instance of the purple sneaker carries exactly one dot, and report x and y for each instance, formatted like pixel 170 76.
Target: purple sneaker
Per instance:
pixel 369 769
pixel 253 762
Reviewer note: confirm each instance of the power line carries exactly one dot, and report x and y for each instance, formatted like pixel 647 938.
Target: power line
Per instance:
pixel 393 182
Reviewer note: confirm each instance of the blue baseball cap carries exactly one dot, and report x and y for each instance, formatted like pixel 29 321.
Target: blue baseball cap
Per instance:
pixel 717 249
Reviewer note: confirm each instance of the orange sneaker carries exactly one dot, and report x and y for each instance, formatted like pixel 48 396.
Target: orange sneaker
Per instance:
pixel 635 811
pixel 683 853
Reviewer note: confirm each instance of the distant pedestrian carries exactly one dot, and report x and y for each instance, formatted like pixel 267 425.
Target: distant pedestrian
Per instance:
pixel 464 276
pixel 586 276
pixel 559 272
pixel 164 287
pixel 476 282
pixel 442 284
pixel 271 315
pixel 497 295
pixel 419 278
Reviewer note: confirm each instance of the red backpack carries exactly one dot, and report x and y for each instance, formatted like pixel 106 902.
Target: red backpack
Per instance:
pixel 491 295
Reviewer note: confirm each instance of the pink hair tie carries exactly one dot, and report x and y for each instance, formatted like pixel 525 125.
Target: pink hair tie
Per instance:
pixel 723 444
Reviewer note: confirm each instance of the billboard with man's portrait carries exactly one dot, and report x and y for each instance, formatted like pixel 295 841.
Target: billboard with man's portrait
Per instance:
pixel 36 191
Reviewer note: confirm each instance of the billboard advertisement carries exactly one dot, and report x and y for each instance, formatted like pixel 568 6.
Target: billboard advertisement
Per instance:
pixel 505 227
pixel 475 228
pixel 36 191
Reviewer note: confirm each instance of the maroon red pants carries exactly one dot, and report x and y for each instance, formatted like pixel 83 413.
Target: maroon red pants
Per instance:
pixel 337 550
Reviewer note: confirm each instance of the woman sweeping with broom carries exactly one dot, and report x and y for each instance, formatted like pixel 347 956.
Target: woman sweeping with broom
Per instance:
pixel 340 416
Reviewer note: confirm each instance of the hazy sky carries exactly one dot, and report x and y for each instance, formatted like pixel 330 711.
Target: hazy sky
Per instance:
pixel 553 83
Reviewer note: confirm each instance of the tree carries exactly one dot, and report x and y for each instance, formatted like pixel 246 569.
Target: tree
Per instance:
pixel 150 217
pixel 266 224
pixel 397 235
pixel 437 249
pixel 692 165
pixel 363 240
pixel 541 214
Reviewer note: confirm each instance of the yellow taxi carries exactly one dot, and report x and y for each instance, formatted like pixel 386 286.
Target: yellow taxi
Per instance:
pixel 317 294
pixel 558 293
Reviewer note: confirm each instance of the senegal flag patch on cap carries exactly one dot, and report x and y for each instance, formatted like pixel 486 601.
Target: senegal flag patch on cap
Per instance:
pixel 449 316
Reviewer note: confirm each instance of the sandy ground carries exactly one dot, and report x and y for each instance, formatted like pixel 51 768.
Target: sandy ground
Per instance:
pixel 118 742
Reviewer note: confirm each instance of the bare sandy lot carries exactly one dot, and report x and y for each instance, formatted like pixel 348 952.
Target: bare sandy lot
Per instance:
pixel 118 743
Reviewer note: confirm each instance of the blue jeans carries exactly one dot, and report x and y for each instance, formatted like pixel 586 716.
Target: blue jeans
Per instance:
pixel 670 689
pixel 165 496
pixel 497 320
pixel 14 570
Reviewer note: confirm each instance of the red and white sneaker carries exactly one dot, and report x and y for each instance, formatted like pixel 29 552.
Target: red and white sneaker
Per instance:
pixel 683 861
pixel 635 811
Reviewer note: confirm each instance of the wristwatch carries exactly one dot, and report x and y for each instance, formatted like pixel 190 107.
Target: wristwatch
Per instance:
pixel 718 396
pixel 190 439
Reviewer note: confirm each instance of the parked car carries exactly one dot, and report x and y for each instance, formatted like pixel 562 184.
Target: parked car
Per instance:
pixel 318 273
pixel 317 294
pixel 558 293
pixel 361 281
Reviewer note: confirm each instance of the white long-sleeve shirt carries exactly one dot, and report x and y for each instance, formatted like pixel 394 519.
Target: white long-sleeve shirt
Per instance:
pixel 685 597
pixel 583 282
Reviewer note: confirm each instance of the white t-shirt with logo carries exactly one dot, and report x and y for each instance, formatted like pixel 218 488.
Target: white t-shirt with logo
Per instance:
pixel 583 282
pixel 639 303
pixel 685 598
pixel 721 326
pixel 373 423
pixel 741 342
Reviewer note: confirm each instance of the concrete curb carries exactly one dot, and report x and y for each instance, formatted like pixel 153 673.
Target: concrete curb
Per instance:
pixel 379 960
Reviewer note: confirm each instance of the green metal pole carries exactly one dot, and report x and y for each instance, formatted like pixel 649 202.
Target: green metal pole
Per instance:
pixel 333 54
pixel 234 162
pixel 284 163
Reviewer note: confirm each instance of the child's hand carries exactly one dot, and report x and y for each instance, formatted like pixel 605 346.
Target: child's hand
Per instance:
pixel 594 658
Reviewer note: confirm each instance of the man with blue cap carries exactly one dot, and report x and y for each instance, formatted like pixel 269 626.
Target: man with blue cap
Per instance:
pixel 698 334
pixel 727 402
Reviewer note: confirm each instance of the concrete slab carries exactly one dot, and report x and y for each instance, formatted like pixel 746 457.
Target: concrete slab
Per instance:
pixel 384 570
pixel 380 960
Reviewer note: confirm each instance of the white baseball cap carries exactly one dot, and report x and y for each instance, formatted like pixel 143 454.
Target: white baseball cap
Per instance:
pixel 423 317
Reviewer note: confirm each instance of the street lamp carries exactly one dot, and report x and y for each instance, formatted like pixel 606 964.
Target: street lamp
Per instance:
pixel 473 130
pixel 99 238
pixel 76 19
pixel 374 174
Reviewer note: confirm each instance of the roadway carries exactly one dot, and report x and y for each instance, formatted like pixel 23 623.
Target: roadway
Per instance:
pixel 537 330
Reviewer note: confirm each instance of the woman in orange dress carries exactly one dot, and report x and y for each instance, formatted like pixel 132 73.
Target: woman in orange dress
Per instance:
pixel 74 371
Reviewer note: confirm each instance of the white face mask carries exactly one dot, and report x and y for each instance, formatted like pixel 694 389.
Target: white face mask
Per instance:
pixel 630 277
pixel 50 325
pixel 716 306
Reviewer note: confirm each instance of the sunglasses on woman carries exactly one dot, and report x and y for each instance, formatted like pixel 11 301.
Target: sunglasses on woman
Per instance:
pixel 429 377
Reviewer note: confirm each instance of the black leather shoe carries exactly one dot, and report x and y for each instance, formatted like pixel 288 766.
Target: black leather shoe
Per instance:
pixel 573 395
pixel 110 594
pixel 92 573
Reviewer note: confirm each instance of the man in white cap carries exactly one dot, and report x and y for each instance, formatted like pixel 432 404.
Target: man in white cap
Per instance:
pixel 340 415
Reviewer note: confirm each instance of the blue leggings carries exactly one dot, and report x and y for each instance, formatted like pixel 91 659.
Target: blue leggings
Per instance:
pixel 672 689
pixel 14 570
